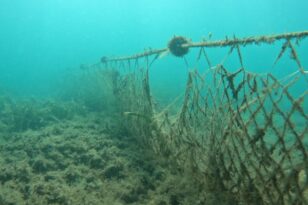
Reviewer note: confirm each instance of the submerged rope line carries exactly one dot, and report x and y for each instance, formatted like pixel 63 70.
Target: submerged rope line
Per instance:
pixel 268 39
pixel 250 40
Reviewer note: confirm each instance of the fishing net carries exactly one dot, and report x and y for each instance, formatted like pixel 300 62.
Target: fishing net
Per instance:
pixel 241 134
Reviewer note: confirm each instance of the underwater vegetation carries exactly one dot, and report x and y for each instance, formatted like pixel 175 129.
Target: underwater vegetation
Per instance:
pixel 92 89
pixel 32 114
pixel 81 158
pixel 94 94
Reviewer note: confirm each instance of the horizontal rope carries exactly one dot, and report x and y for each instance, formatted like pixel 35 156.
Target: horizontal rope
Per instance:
pixel 268 39
pixel 250 40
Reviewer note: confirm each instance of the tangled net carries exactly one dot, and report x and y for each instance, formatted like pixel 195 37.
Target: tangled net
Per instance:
pixel 241 135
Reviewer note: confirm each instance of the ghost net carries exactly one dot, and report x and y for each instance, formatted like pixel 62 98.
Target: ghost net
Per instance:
pixel 241 134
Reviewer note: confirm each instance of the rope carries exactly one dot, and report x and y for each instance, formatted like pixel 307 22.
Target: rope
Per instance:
pixel 267 39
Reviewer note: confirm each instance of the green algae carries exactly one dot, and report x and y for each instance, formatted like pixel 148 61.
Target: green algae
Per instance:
pixel 82 159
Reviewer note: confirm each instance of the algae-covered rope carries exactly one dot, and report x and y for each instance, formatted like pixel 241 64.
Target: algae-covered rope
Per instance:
pixel 268 39
pixel 179 45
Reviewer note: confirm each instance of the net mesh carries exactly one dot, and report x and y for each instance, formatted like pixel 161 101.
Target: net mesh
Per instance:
pixel 242 135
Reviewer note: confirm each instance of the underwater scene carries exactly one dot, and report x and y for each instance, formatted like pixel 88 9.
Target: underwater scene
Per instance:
pixel 144 102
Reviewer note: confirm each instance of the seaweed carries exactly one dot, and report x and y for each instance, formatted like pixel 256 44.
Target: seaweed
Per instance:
pixel 21 115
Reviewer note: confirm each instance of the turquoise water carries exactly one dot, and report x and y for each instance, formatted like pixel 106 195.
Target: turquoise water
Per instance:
pixel 72 136
pixel 42 40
